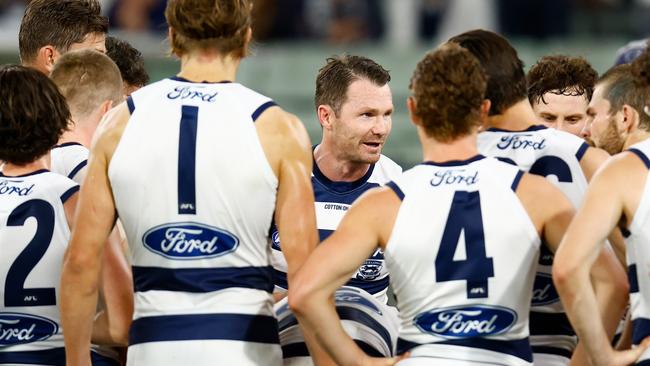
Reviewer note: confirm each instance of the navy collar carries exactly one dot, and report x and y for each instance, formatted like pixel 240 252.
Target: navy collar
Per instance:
pixel 529 129
pixel 24 175
pixel 178 78
pixel 455 162
pixel 72 143
pixel 339 187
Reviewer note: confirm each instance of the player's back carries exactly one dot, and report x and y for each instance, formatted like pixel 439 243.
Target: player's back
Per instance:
pixel 556 155
pixel 638 253
pixel 461 257
pixel 69 159
pixel 34 234
pixel 372 324
pixel 196 196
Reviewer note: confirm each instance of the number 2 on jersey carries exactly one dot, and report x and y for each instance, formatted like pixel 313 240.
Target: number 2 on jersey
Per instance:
pixel 187 160
pixel 465 217
pixel 15 292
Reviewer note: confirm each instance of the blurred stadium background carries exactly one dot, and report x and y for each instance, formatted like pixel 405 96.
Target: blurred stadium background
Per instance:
pixel 293 38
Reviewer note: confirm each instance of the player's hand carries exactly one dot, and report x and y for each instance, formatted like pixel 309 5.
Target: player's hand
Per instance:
pixel 375 361
pixel 627 357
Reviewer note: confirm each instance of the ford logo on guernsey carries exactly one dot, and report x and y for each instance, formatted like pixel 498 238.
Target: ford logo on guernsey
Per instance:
pixel 25 328
pixel 188 241
pixel 466 322
pixel 544 293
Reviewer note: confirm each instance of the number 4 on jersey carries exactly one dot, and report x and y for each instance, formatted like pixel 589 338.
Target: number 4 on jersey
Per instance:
pixel 465 217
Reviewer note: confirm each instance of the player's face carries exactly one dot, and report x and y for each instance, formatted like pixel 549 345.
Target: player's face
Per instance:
pixel 93 41
pixel 602 125
pixel 364 122
pixel 563 112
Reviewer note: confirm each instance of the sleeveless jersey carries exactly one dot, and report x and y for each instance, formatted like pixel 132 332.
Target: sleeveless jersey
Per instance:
pixel 369 322
pixel 332 202
pixel 69 159
pixel 638 255
pixel 556 155
pixel 196 195
pixel 461 257
pixel 34 235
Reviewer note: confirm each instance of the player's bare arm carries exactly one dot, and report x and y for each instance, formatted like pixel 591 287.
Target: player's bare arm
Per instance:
pixel 366 225
pixel 111 326
pixel 602 209
pixel 287 148
pixel 96 217
pixel 592 160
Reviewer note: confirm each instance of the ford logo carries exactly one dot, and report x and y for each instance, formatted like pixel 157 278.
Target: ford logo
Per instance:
pixel 188 240
pixel 466 322
pixel 544 292
pixel 25 328
pixel 349 295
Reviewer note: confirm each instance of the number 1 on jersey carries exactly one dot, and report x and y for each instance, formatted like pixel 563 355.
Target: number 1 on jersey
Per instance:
pixel 465 217
pixel 187 160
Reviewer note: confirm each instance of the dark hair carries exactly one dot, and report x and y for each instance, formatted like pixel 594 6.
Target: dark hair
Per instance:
pixel 562 75
pixel 335 77
pixel 207 24
pixel 628 84
pixel 129 60
pixel 87 78
pixel 448 86
pixel 506 84
pixel 59 23
pixel 33 114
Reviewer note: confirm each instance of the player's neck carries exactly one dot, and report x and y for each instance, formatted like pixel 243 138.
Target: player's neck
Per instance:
pixel 335 168
pixel 460 149
pixel 13 170
pixel 80 133
pixel 516 118
pixel 637 136
pixel 208 67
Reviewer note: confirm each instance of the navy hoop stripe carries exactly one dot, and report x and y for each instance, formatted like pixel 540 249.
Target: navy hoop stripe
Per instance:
pixel 552 351
pixel 518 347
pixel 201 280
pixel 54 356
pixel 550 323
pixel 300 350
pixel 640 330
pixel 234 327
pixel 392 185
pixel 258 112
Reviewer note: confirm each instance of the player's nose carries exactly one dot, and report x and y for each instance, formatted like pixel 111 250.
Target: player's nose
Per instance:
pixel 381 126
pixel 586 130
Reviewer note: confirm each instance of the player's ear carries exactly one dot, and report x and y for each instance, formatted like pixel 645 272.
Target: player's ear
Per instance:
pixel 630 118
pixel 46 56
pixel 411 105
pixel 106 106
pixel 325 115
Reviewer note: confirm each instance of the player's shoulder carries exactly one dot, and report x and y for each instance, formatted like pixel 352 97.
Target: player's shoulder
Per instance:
pixel 385 170
pixel 40 184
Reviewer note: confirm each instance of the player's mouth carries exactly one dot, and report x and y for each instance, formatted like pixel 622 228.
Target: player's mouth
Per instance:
pixel 373 146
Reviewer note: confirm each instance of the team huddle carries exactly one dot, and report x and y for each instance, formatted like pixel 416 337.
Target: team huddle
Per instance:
pixel 192 221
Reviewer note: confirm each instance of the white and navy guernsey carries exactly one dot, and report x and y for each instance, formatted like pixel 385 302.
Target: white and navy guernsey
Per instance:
pixel 637 237
pixel 332 202
pixel 462 257
pixel 556 155
pixel 69 159
pixel 196 196
pixel 34 234
pixel 372 324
